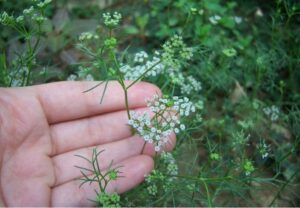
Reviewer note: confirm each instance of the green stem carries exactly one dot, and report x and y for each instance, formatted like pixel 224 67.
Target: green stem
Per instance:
pixel 126 102
pixel 32 52
pixel 97 169
pixel 121 82
pixel 208 194
pixel 203 179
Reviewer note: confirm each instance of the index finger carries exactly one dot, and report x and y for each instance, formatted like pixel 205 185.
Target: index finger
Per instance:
pixel 65 101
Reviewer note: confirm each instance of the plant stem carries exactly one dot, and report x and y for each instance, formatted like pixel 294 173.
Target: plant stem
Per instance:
pixel 125 95
pixel 143 147
pixel 208 194
pixel 126 102
pixel 203 179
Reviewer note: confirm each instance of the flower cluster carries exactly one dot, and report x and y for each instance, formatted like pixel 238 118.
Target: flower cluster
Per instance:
pixel 240 139
pixel 183 106
pixel 263 149
pixel 43 4
pixel 18 77
pixel 272 112
pixel 6 19
pixel 112 20
pixel 152 134
pixel 169 62
pixel 39 18
pixel 157 178
pixel 108 200
pixel 28 11
pixel 214 19
pixel 110 42
pixel 143 65
pixel 83 73
pixel 248 167
pixel 86 36
pixel 238 20
pixel 33 12
pixel 150 179
pixel 190 85
pixel 170 162
pixel 247 124
pixel 158 129
pixel 175 51
pixel 140 57
pixel 214 156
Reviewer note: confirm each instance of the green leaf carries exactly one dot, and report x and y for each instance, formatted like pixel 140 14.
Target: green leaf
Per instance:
pixel 228 22
pixel 131 30
pixel 142 21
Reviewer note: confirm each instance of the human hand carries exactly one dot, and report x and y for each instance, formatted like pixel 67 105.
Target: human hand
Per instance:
pixel 43 127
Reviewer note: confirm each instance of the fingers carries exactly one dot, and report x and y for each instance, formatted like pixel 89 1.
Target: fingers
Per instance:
pixel 64 164
pixel 64 101
pixel 91 131
pixel 134 169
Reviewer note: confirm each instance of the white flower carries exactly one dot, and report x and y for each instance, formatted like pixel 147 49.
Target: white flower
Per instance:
pixel 89 77
pixel 259 13
pixel 158 129
pixel 72 77
pixel 190 85
pixel 238 20
pixel 142 63
pixel 28 11
pixel 182 127
pixel 87 36
pixel 214 19
pixel 112 20
pixel 44 4
pixel 263 149
pixel 140 57
pixel 20 19
pixel 272 112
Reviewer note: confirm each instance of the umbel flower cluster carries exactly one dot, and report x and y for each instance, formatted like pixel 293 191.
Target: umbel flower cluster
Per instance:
pixel 33 12
pixel 157 130
pixel 86 36
pixel 83 73
pixel 157 177
pixel 175 51
pixel 143 65
pixel 168 62
pixel 112 20
pixel 272 112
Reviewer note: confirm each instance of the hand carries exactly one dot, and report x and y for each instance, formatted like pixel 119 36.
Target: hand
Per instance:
pixel 43 127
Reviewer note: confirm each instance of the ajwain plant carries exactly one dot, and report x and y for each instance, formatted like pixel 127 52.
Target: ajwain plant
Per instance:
pixel 167 111
pixel 95 175
pixel 29 26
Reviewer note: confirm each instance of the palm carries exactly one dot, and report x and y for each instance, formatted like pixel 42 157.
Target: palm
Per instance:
pixel 43 127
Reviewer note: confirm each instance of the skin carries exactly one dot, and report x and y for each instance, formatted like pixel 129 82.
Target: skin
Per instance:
pixel 42 127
